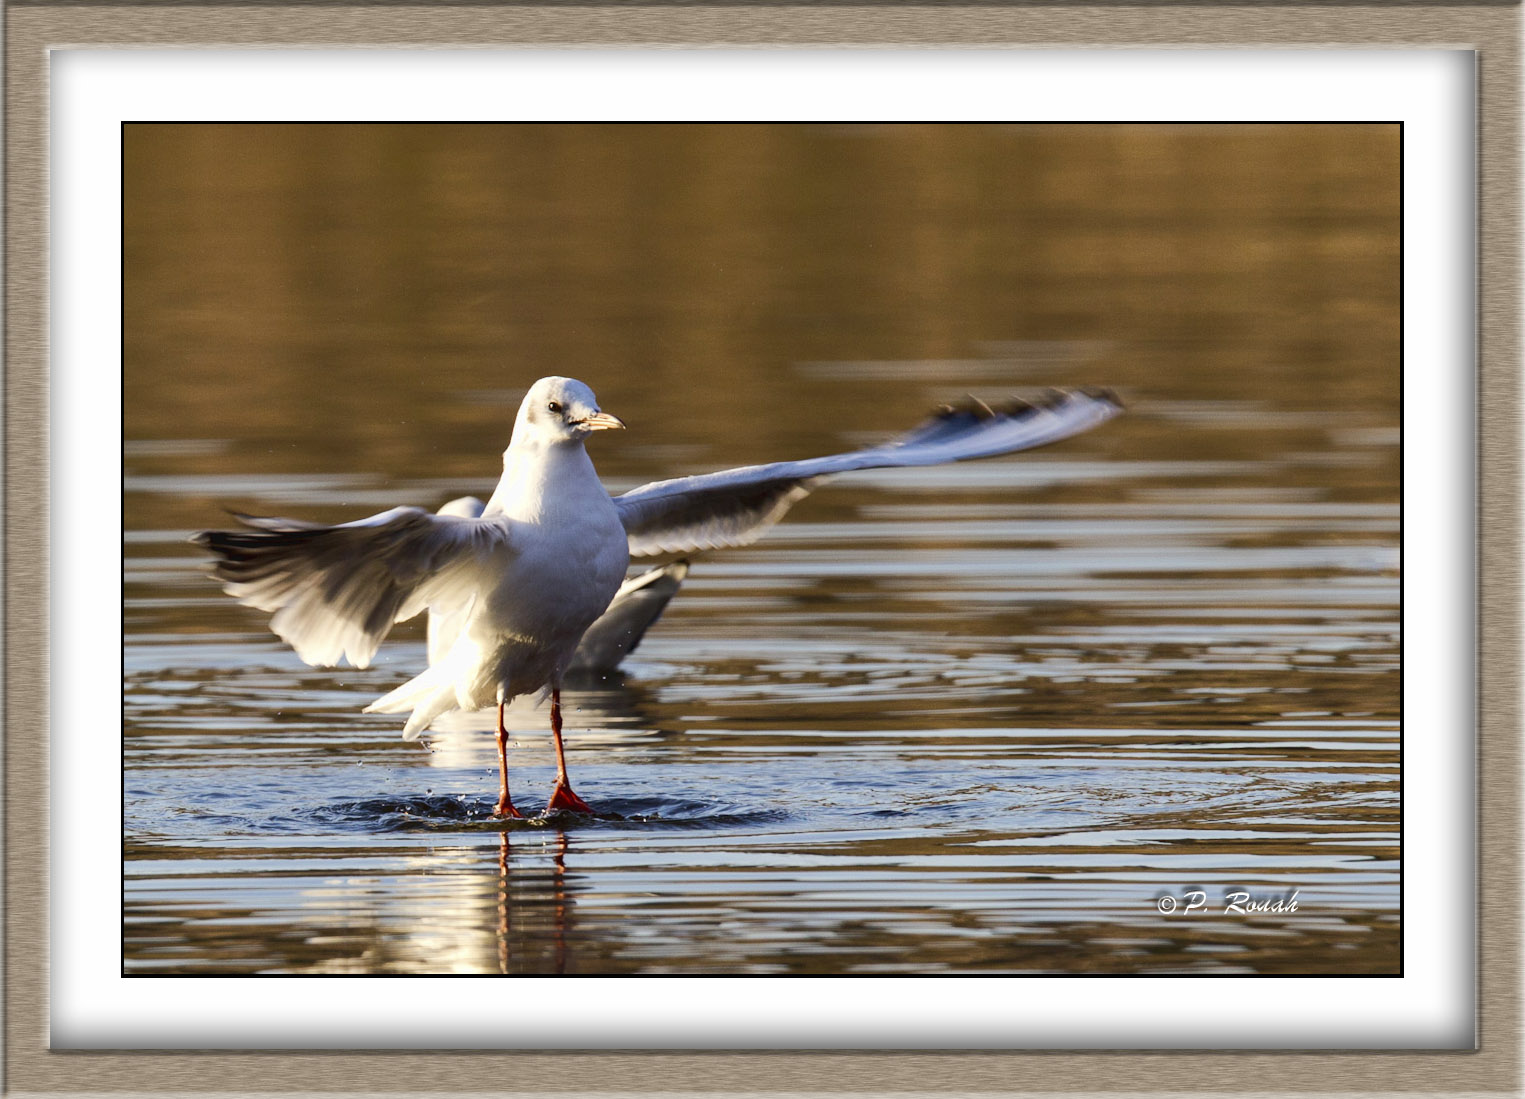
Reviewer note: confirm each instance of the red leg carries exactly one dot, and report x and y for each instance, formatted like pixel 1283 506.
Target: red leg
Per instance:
pixel 505 804
pixel 562 796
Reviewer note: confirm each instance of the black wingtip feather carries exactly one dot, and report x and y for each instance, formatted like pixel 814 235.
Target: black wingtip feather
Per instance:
pixel 1014 405
pixel 246 556
pixel 1102 393
pixel 949 421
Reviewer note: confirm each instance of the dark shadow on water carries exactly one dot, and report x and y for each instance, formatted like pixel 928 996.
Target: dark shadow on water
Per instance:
pixel 442 813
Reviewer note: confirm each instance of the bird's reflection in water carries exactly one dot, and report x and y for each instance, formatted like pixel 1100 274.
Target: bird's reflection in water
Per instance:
pixel 522 943
pixel 608 714
pixel 505 951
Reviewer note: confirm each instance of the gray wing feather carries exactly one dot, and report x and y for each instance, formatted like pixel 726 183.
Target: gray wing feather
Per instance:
pixel 336 590
pixel 736 506
pixel 639 603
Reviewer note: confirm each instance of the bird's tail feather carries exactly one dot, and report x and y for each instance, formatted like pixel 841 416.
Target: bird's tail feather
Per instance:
pixel 428 695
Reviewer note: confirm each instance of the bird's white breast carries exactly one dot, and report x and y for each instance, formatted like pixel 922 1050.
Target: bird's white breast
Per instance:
pixel 569 555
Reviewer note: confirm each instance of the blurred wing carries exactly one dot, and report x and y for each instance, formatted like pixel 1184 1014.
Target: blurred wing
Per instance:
pixel 736 506
pixel 337 590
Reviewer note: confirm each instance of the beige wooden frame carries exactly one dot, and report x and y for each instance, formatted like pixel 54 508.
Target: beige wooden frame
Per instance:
pixel 32 28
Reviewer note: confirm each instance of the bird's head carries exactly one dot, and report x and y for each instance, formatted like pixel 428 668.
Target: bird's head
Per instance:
pixel 559 410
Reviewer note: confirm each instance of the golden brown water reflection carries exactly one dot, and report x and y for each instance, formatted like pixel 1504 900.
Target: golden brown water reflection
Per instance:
pixel 971 718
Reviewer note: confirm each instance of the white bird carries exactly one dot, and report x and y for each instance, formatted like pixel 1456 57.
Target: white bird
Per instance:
pixel 513 585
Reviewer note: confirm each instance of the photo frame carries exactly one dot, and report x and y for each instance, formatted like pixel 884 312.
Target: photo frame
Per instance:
pixel 35 28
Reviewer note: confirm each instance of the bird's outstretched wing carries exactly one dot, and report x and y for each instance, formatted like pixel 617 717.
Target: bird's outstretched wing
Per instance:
pixel 736 506
pixel 336 590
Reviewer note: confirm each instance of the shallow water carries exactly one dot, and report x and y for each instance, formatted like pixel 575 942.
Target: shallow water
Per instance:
pixel 979 718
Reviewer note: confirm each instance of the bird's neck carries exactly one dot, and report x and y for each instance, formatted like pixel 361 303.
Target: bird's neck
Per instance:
pixel 541 479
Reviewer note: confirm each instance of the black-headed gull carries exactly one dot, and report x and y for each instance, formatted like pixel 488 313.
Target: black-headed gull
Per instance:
pixel 512 586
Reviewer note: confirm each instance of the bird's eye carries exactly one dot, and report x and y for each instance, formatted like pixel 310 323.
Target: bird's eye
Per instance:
pixel 554 408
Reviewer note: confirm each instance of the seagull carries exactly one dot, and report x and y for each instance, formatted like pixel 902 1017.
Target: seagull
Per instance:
pixel 512 586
